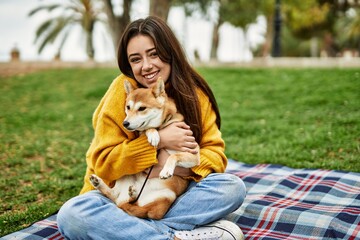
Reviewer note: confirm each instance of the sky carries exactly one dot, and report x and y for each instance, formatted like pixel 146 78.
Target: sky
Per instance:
pixel 18 30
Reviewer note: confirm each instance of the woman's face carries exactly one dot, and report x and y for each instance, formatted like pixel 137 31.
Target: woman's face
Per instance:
pixel 145 62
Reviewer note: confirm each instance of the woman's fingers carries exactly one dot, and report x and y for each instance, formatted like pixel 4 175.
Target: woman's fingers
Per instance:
pixel 191 147
pixel 192 150
pixel 177 136
pixel 182 125
pixel 189 139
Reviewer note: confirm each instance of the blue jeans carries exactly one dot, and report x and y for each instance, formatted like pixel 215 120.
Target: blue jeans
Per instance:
pixel 93 216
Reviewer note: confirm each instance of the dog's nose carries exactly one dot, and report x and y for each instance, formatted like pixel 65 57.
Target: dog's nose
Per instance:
pixel 126 124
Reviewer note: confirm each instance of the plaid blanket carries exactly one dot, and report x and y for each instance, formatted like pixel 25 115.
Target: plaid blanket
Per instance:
pixel 281 203
pixel 44 229
pixel 285 203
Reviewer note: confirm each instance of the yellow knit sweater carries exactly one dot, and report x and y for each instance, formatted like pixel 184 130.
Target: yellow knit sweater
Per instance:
pixel 115 152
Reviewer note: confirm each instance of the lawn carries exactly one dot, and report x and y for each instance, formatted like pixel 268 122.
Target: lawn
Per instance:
pixel 304 118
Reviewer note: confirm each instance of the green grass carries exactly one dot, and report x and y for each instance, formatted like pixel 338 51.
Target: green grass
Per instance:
pixel 305 118
pixel 300 118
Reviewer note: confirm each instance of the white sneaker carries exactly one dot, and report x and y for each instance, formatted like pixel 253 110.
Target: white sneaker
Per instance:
pixel 219 230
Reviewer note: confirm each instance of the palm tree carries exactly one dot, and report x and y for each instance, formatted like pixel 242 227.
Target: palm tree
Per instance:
pixel 349 29
pixel 73 13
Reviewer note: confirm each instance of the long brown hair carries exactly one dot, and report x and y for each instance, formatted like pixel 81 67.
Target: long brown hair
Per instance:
pixel 183 79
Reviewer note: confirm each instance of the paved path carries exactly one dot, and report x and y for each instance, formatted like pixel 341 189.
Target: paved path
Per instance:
pixel 23 67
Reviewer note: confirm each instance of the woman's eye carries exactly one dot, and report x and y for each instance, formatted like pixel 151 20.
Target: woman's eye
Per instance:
pixel 154 54
pixel 134 60
pixel 141 109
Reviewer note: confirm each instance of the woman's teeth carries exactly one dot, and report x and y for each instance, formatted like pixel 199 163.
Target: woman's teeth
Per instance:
pixel 150 76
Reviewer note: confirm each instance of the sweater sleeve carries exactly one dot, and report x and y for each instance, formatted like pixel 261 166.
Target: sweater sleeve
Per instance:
pixel 114 151
pixel 212 146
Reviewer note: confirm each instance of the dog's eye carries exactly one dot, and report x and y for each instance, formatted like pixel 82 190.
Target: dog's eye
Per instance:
pixel 128 107
pixel 141 109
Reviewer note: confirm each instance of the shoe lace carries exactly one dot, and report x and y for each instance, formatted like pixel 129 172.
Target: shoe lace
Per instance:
pixel 225 230
pixel 211 234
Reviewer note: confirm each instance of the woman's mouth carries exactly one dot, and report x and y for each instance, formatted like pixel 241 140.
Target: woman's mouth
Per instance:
pixel 150 76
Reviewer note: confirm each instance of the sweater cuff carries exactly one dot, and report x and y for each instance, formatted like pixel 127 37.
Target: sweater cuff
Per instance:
pixel 201 172
pixel 143 153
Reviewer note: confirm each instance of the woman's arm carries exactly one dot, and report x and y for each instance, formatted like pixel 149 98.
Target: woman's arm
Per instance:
pixel 114 151
pixel 212 146
pixel 178 136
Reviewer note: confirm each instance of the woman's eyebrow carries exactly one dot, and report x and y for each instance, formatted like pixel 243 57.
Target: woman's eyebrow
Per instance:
pixel 133 54
pixel 137 54
pixel 149 50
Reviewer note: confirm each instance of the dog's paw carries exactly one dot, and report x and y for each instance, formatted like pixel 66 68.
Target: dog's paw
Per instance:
pixel 132 192
pixel 166 173
pixel 153 137
pixel 95 180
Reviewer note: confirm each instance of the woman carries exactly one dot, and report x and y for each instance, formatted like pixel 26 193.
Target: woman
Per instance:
pixel 149 50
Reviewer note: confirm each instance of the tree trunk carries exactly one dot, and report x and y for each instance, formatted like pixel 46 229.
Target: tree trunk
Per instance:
pixel 314 47
pixel 90 46
pixel 117 24
pixel 160 8
pixel 268 37
pixel 215 40
pixel 90 50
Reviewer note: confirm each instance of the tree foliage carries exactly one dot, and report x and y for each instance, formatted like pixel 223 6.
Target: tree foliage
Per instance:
pixel 239 13
pixel 349 26
pixel 323 19
pixel 306 19
pixel 161 8
pixel 84 13
pixel 242 13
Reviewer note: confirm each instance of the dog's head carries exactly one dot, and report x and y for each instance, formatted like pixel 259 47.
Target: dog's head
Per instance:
pixel 144 106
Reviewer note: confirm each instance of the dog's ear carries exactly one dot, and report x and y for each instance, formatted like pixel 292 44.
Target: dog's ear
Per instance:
pixel 128 86
pixel 159 87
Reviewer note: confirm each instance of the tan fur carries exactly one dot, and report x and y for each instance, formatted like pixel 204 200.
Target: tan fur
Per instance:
pixel 147 110
pixel 154 210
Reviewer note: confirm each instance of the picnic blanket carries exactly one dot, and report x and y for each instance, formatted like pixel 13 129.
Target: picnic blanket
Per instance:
pixel 281 203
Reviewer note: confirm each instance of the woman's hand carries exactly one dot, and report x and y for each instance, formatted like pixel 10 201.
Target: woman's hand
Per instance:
pixel 179 137
pixel 162 157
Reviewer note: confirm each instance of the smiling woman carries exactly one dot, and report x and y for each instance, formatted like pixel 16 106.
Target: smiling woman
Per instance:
pixel 149 50
pixel 145 63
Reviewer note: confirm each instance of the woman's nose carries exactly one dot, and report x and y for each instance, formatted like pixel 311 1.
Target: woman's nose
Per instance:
pixel 147 66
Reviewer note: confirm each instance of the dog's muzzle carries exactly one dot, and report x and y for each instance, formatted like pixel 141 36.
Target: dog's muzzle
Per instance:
pixel 126 124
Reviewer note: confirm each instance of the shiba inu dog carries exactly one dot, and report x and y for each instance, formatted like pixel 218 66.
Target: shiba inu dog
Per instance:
pixel 147 110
